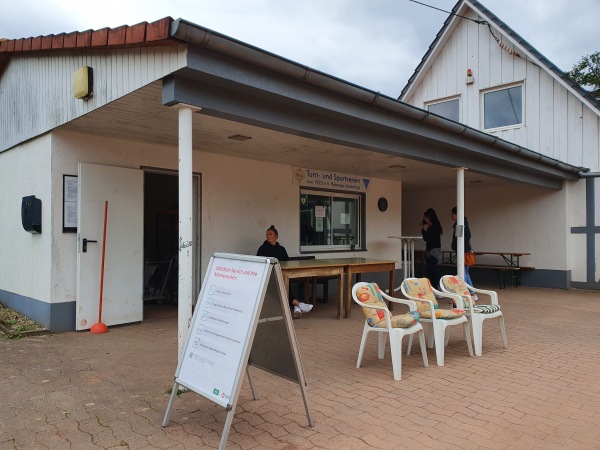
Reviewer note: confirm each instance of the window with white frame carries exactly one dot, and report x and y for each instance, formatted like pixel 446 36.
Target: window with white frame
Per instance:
pixel 503 107
pixel 450 109
pixel 331 221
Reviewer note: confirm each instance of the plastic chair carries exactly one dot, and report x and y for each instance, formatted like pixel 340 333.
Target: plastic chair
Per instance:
pixel 438 320
pixel 379 319
pixel 477 312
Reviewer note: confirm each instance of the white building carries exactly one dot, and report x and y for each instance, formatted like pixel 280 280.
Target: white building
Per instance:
pixel 272 141
pixel 480 72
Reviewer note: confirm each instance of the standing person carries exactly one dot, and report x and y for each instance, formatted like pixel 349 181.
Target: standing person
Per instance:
pixel 273 249
pixel 432 235
pixel 467 235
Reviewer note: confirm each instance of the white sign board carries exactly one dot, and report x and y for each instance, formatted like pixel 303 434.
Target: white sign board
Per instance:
pixel 239 293
pixel 221 327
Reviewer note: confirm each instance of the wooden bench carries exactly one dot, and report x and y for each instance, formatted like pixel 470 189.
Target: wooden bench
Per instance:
pixel 503 271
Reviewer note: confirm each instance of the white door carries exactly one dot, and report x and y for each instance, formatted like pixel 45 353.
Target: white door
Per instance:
pixel 123 263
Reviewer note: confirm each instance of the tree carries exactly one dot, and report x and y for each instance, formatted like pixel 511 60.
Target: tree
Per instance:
pixel 587 73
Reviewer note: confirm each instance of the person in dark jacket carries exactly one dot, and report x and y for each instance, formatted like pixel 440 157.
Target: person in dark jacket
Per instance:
pixel 273 249
pixel 432 235
pixel 467 235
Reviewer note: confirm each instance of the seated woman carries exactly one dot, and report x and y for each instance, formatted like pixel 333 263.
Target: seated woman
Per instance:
pixel 273 249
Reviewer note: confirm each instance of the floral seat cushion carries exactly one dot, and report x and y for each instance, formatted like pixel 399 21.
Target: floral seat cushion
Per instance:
pixel 421 288
pixel 458 286
pixel 369 294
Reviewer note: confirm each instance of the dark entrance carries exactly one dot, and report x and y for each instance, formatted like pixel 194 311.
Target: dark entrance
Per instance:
pixel 161 219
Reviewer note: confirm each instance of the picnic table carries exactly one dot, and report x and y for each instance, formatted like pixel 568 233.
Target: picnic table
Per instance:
pixel 510 264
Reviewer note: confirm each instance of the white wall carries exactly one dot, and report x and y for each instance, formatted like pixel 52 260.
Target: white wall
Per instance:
pixel 240 199
pixel 42 85
pixel 576 194
pixel 514 218
pixel 25 265
pixel 556 123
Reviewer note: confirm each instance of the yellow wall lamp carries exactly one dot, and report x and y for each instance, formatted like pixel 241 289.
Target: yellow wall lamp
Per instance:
pixel 83 83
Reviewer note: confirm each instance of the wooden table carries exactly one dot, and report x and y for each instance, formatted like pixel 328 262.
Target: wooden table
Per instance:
pixel 358 266
pixel 316 268
pixel 342 268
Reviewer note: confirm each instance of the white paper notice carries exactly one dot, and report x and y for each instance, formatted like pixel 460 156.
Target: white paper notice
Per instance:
pixel 221 327
pixel 70 204
pixel 319 224
pixel 320 211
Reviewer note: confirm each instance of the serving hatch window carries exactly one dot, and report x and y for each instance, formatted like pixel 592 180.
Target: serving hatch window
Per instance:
pixel 331 221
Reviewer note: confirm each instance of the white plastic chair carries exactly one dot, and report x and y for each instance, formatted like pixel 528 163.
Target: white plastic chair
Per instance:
pixel 386 327
pixel 475 310
pixel 437 320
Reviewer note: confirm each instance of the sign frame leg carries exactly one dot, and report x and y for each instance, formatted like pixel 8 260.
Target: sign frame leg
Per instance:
pixel 170 405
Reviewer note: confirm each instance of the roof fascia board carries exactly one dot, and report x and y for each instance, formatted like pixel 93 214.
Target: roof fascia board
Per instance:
pixel 531 56
pixel 334 95
pixel 251 106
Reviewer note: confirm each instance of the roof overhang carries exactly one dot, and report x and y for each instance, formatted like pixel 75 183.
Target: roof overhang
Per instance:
pixel 231 80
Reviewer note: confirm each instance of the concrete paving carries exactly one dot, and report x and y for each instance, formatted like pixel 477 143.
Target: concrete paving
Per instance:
pixel 82 391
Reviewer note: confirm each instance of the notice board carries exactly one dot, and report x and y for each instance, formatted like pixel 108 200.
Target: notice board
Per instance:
pixel 242 317
pixel 222 326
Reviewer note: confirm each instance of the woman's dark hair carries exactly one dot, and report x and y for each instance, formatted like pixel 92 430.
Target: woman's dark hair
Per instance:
pixel 454 210
pixel 272 227
pixel 432 216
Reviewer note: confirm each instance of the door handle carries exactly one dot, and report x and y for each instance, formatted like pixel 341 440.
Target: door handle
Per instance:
pixel 84 244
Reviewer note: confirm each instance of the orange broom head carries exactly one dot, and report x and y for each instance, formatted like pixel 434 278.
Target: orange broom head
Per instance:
pixel 99 328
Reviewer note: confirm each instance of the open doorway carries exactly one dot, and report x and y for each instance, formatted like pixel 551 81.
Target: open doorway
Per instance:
pixel 161 220
pixel 161 237
pixel 161 232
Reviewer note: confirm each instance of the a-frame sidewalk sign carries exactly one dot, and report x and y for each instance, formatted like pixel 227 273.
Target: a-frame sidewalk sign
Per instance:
pixel 241 317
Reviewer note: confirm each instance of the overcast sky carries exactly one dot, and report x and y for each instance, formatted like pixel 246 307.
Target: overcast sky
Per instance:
pixel 376 44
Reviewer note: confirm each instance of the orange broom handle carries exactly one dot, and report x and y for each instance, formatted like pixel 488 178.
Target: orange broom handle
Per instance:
pixel 102 267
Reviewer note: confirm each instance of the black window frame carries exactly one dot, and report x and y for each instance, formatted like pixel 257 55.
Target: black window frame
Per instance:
pixel 348 243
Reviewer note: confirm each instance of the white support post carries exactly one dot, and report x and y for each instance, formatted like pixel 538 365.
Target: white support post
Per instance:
pixel 460 222
pixel 186 260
